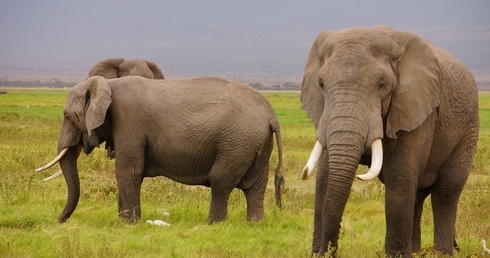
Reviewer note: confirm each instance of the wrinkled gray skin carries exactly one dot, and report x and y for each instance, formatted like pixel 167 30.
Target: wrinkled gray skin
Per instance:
pixel 361 84
pixel 206 131
pixel 112 68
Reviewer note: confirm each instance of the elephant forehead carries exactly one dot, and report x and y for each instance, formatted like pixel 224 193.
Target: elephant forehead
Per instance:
pixel 358 41
pixel 348 68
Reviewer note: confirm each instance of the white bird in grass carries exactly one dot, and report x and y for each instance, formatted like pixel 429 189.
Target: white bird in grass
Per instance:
pixel 165 213
pixel 158 222
pixel 485 249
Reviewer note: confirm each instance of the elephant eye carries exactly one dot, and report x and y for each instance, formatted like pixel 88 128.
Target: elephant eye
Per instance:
pixel 381 86
pixel 78 118
pixel 320 82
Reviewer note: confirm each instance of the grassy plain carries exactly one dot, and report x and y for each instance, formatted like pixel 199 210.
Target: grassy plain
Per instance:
pixel 29 125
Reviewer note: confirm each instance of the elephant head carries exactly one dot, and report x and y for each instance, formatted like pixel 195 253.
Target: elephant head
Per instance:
pixel 361 85
pixel 117 67
pixel 85 126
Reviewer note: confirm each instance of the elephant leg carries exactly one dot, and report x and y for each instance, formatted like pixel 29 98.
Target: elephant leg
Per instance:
pixel 258 174
pixel 129 201
pixel 401 171
pixel 219 204
pixel 255 201
pixel 222 179
pixel 255 194
pixel 417 216
pixel 444 208
pixel 129 179
pixel 399 203
pixel 445 197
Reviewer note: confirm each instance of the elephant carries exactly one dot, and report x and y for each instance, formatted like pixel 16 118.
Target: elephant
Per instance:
pixel 112 68
pixel 204 131
pixel 392 101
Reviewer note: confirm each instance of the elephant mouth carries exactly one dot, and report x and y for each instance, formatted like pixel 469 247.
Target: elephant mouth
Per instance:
pixel 87 149
pixel 86 143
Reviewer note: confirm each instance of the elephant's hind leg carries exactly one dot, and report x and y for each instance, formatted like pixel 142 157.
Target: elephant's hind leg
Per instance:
pixel 223 178
pixel 255 195
pixel 257 177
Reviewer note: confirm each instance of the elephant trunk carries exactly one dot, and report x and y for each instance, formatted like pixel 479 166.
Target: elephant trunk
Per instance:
pixel 343 159
pixel 70 171
pixel 347 132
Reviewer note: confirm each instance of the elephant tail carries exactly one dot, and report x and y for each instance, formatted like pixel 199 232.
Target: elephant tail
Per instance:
pixel 278 179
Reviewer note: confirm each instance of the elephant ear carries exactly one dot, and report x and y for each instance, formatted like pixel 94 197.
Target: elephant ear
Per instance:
pixel 417 93
pixel 108 68
pixel 157 73
pixel 98 98
pixel 311 94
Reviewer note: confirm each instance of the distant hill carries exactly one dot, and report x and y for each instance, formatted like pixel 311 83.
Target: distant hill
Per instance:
pixel 260 81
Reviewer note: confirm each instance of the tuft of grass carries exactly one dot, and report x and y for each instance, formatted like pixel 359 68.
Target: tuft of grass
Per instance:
pixel 29 126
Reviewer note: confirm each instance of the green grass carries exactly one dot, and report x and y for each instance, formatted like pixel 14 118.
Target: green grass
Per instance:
pixel 29 125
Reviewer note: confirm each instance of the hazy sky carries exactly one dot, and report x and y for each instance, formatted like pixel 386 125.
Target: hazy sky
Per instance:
pixel 253 36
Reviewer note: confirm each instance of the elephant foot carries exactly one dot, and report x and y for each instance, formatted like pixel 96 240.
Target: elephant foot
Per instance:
pixel 213 221
pixel 255 219
pixel 256 216
pixel 217 217
pixel 131 216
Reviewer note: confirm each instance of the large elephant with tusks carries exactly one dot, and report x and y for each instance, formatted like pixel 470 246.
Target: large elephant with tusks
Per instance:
pixel 406 108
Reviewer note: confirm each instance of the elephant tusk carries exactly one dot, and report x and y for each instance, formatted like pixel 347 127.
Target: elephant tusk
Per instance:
pixel 55 175
pixel 55 160
pixel 376 161
pixel 310 165
pixel 485 249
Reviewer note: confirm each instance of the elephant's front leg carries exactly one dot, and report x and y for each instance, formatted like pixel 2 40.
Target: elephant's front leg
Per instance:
pixel 129 179
pixel 401 172
pixel 399 206
pixel 219 204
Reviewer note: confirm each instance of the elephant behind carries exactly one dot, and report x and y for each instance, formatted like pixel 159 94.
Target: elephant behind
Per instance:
pixel 112 68
pixel 409 110
pixel 206 131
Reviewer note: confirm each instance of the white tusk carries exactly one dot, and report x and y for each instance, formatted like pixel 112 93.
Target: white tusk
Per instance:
pixel 376 161
pixel 485 249
pixel 55 160
pixel 55 175
pixel 310 165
